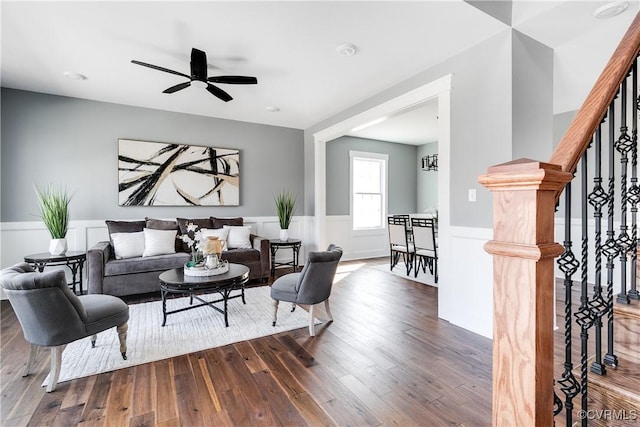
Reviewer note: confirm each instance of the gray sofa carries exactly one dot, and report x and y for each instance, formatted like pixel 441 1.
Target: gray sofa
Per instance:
pixel 129 276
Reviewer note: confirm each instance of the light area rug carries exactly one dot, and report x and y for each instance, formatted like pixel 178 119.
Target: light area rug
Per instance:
pixel 184 333
pixel 400 270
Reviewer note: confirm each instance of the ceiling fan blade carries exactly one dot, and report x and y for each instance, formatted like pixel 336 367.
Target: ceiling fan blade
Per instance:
pixel 234 80
pixel 177 87
pixel 155 67
pixel 198 65
pixel 219 93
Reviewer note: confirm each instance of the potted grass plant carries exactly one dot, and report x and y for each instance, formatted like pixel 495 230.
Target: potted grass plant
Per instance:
pixel 54 211
pixel 285 207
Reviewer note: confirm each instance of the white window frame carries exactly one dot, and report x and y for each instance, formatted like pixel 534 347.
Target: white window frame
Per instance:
pixel 385 187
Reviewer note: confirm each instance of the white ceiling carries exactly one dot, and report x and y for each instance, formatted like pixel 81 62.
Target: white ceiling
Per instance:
pixel 289 46
pixel 417 126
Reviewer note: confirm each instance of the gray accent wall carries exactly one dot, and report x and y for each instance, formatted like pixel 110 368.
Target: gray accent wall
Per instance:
pixel 427 180
pixel 73 143
pixel 401 173
pixel 532 98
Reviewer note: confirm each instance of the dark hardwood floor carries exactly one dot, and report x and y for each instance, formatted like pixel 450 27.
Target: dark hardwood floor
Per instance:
pixel 385 360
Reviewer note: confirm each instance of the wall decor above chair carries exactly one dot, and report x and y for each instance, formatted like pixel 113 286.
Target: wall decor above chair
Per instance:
pixel 430 162
pixel 168 174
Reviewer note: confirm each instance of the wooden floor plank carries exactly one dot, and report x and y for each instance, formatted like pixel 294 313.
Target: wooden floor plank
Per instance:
pixel 285 411
pixel 260 411
pixel 251 359
pixel 68 416
pixel 378 406
pixel 96 406
pixel 166 408
pixel 143 402
pixel 143 420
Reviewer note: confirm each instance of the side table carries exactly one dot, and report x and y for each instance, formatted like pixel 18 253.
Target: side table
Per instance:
pixel 74 260
pixel 294 244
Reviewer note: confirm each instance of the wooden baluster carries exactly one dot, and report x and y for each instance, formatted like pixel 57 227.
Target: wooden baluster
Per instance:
pixel 523 249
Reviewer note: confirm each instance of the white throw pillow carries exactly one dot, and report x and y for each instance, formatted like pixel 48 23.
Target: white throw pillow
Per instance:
pixel 159 242
pixel 220 233
pixel 128 245
pixel 238 236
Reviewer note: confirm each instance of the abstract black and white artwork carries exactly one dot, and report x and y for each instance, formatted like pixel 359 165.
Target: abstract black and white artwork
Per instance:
pixel 164 174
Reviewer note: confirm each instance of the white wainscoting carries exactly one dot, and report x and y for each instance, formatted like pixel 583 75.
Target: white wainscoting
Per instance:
pixel 465 286
pixel 356 245
pixel 18 239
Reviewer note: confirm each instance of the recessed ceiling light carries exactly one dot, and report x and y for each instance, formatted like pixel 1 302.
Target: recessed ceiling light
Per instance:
pixel 347 49
pixel 272 109
pixel 369 124
pixel 611 9
pixel 74 76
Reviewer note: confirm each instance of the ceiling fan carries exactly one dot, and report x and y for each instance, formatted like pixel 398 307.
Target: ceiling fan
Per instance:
pixel 199 77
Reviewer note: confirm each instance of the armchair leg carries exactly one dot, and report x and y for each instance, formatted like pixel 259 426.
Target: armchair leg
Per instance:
pixel 328 310
pixel 56 361
pixel 275 311
pixel 32 358
pixel 94 337
pixel 312 323
pixel 122 336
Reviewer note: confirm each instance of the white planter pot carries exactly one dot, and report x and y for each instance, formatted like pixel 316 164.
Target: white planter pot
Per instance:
pixel 284 235
pixel 57 246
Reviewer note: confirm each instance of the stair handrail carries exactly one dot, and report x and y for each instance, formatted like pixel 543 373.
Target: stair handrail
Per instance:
pixel 523 249
pixel 580 132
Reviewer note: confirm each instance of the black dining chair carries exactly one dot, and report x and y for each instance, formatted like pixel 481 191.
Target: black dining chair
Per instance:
pixel 425 246
pixel 399 242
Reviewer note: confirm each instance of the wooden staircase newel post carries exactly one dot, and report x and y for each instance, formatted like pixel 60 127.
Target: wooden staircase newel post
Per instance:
pixel 523 249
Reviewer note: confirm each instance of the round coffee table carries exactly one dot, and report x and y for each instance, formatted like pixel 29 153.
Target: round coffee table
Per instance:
pixel 176 282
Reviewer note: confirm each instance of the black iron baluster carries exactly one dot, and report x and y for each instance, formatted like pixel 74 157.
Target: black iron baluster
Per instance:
pixel 610 247
pixel 584 316
pixel 568 265
pixel 598 306
pixel 634 191
pixel 623 145
pixel 557 403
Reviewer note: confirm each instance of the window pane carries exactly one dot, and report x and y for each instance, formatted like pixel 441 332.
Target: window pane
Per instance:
pixel 367 210
pixel 366 176
pixel 367 197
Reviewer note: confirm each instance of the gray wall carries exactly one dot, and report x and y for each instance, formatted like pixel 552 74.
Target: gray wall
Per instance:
pixel 73 143
pixel 427 180
pixel 480 124
pixel 561 123
pixel 532 98
pixel 402 173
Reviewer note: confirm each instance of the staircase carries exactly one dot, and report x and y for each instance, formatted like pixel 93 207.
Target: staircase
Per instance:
pixel 619 390
pixel 600 380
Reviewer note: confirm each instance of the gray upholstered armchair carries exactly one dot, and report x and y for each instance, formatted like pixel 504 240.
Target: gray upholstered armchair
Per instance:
pixel 311 286
pixel 53 316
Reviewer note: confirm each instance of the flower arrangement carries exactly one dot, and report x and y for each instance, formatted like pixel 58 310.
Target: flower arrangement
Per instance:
pixel 192 238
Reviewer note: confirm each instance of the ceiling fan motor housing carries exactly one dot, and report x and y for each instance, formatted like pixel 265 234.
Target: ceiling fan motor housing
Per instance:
pixel 198 65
